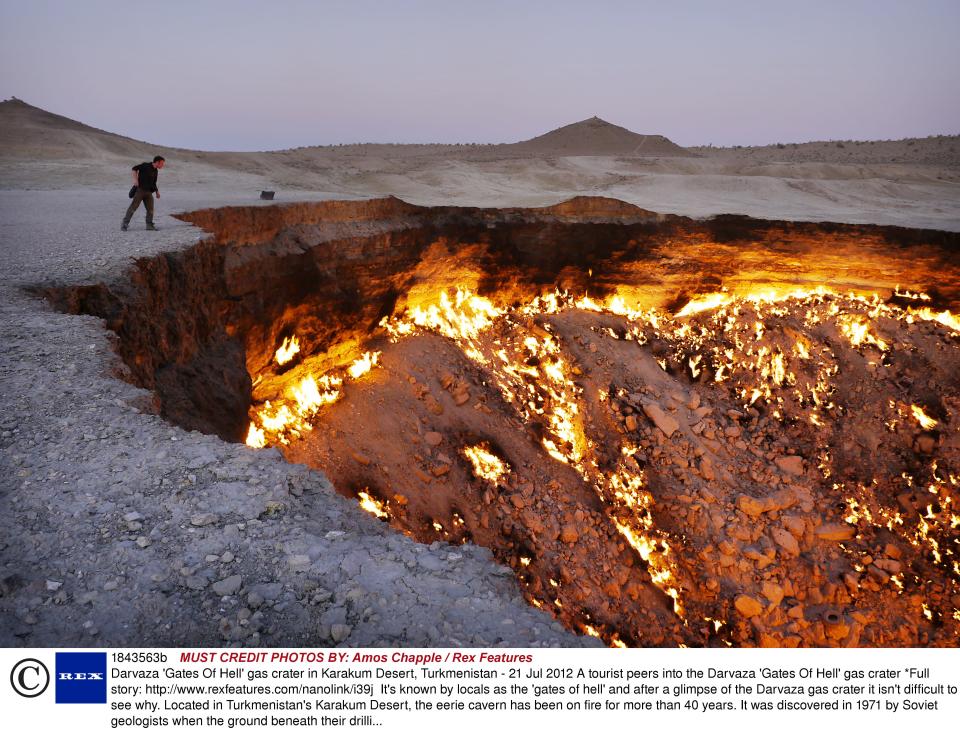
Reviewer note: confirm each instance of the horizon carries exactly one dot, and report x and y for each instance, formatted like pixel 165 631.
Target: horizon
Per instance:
pixel 478 143
pixel 241 77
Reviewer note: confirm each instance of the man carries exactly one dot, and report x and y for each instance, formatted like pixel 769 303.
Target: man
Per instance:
pixel 144 187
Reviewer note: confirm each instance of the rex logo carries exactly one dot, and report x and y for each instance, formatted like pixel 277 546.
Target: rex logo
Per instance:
pixel 81 677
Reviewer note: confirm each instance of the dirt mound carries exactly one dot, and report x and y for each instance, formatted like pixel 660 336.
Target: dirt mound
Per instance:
pixel 596 137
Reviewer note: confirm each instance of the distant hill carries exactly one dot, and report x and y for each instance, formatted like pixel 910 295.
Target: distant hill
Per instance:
pixel 32 135
pixel 28 131
pixel 596 137
pixel 936 151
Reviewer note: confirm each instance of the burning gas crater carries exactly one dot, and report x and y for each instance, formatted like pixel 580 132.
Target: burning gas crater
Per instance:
pixel 775 467
pixel 758 461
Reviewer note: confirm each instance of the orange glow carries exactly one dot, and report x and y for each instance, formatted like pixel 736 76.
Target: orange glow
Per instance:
pixel 286 351
pixel 922 418
pixel 776 352
pixel 372 505
pixel 485 463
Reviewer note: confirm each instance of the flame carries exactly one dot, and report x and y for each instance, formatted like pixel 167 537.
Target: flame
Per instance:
pixel 946 318
pixel 923 419
pixel 286 351
pixel 755 296
pixel 632 517
pixel 485 463
pixel 363 364
pixel 857 330
pixel 255 437
pixel 587 304
pixel 463 318
pixel 774 348
pixel 898 293
pixel 547 389
pixel 704 303
pixel 373 505
pixel 299 402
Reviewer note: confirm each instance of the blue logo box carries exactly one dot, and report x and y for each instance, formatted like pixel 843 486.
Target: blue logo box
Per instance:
pixel 81 677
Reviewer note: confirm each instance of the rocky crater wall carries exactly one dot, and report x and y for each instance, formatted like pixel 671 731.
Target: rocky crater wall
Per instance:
pixel 199 327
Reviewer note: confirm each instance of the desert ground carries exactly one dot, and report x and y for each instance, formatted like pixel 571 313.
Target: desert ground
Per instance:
pixel 125 529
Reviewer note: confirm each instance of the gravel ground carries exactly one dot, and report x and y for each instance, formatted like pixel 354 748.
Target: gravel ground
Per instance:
pixel 121 529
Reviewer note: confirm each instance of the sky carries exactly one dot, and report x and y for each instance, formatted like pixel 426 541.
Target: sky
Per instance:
pixel 273 74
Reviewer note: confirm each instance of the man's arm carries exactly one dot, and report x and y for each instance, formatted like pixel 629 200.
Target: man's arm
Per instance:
pixel 136 178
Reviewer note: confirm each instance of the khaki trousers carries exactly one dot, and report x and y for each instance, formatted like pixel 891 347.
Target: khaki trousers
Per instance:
pixel 147 199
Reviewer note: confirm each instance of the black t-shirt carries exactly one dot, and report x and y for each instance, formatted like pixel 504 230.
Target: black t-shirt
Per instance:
pixel 148 176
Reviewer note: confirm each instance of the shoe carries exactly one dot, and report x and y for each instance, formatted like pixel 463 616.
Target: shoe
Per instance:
pixel 123 227
pixel 152 227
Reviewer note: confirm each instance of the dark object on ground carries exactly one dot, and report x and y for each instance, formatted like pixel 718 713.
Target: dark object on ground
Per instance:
pixel 267 195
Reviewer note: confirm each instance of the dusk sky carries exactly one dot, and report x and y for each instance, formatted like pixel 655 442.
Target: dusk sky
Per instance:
pixel 263 75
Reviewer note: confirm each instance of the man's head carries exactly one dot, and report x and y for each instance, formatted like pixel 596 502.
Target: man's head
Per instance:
pixel 158 162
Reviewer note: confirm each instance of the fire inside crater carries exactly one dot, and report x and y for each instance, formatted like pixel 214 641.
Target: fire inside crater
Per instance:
pixel 675 432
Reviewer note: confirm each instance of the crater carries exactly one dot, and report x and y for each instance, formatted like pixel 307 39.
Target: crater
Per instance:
pixel 676 432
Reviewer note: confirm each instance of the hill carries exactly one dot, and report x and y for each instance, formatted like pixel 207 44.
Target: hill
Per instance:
pixel 936 151
pixel 596 137
pixel 28 131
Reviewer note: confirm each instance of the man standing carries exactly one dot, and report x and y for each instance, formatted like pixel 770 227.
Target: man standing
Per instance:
pixel 144 186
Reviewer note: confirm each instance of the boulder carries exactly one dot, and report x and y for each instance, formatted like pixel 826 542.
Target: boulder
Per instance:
pixel 747 606
pixel 835 531
pixel 773 593
pixel 791 464
pixel 228 586
pixel 786 541
pixel 751 506
pixel 666 423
